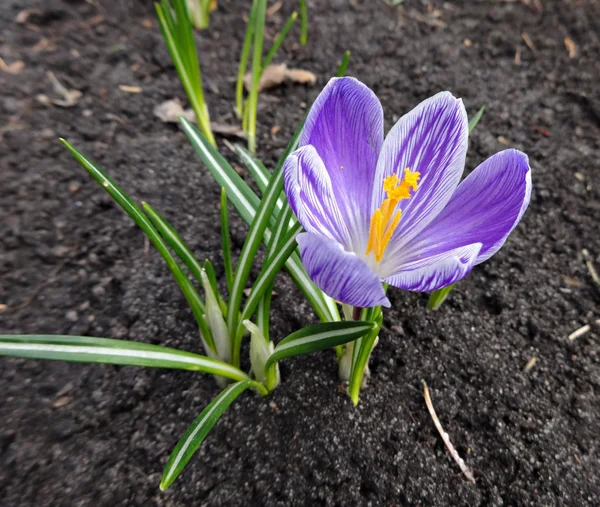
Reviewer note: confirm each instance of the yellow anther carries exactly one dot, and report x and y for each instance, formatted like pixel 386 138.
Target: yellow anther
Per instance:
pixel 385 219
pixel 390 182
pixel 411 178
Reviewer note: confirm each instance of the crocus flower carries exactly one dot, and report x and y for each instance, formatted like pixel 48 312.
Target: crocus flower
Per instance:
pixel 394 210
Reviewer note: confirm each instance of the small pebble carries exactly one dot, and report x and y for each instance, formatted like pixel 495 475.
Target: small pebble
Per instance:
pixel 72 316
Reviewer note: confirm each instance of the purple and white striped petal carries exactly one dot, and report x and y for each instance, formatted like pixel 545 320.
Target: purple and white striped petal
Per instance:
pixel 485 208
pixel 345 125
pixel 432 140
pixel 308 189
pixel 425 274
pixel 340 274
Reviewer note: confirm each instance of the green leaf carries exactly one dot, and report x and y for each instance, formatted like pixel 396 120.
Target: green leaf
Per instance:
pixel 87 349
pixel 239 193
pixel 278 41
pixel 226 241
pixel 122 199
pixel 239 87
pixel 179 39
pixel 437 297
pixel 475 120
pixel 246 203
pixel 344 65
pixel 318 337
pixel 199 429
pixel 174 240
pixel 304 23
pixel 266 277
pixel 362 351
pixel 250 249
pixel 260 174
pixel 257 49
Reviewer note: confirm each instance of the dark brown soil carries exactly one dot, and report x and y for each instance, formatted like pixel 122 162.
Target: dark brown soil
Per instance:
pixel 72 263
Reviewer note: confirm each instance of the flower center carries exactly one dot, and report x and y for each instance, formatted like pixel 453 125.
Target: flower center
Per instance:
pixel 385 219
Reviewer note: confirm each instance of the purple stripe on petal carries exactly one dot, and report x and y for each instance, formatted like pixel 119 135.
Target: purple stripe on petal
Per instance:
pixel 432 140
pixel 340 274
pixel 308 189
pixel 345 125
pixel 485 208
pixel 431 273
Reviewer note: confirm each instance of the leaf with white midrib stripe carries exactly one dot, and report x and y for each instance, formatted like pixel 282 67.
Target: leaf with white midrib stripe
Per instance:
pixel 318 337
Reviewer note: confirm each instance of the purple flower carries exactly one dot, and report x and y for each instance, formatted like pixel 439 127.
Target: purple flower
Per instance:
pixel 393 210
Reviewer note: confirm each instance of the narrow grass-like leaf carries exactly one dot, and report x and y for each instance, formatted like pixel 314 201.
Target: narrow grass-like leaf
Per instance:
pixel 475 120
pixel 437 297
pixel 212 278
pixel 249 250
pixel 362 351
pixel 278 41
pixel 318 337
pixel 265 278
pixel 257 48
pixel 199 429
pixel 239 87
pixel 246 202
pixel 304 23
pixel 344 65
pixel 179 39
pixel 126 203
pixel 174 240
pixel 86 349
pixel 226 240
pixel 239 193
pixel 264 305
pixel 260 174
pixel 263 313
pixel 253 241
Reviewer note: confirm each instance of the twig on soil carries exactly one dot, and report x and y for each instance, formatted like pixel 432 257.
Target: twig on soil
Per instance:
pixel 459 461
pixel 530 364
pixel 579 332
pixel 588 262
pixel 528 41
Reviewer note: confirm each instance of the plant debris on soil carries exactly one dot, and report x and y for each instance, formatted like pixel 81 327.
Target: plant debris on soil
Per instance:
pixel 72 263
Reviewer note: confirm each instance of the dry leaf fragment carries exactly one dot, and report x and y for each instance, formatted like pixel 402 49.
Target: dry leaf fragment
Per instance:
pixel 23 16
pixel 13 68
pixel 69 97
pixel 571 47
pixel 170 111
pixel 44 45
pixel 277 74
pixel 528 41
pixel 272 76
pixel 130 89
pixel 579 332
pixel 62 401
pixel 274 8
pixel 301 76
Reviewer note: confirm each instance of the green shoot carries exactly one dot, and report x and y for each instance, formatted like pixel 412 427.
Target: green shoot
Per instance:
pixel 179 38
pixel 199 429
pixel 304 23
pixel 344 65
pixel 199 12
pixel 259 28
